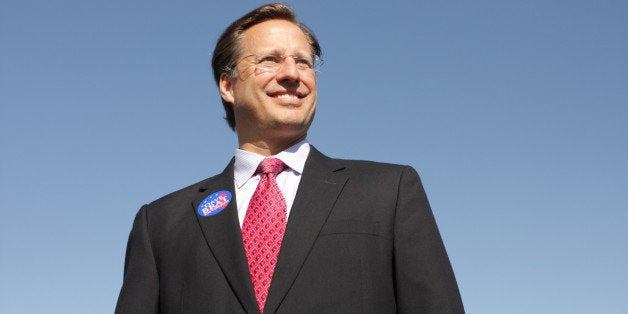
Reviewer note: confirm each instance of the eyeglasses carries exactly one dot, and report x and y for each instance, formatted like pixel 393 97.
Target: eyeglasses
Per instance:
pixel 272 63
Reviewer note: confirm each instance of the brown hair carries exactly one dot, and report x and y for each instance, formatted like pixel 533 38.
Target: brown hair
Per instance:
pixel 228 46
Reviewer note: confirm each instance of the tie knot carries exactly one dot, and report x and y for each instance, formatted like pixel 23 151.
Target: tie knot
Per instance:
pixel 271 165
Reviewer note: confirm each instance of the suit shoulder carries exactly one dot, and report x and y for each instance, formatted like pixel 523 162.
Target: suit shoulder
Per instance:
pixel 374 166
pixel 357 165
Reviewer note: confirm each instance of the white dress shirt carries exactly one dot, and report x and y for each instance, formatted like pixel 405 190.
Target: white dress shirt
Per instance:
pixel 288 180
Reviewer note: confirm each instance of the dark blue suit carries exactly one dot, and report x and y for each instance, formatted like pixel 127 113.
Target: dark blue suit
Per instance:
pixel 361 238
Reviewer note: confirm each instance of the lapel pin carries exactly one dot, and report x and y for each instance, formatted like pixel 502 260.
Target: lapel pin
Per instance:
pixel 214 203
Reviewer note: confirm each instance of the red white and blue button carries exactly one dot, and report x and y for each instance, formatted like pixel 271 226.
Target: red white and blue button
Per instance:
pixel 214 203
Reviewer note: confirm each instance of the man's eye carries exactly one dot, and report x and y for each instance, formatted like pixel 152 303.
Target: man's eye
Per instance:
pixel 304 62
pixel 269 59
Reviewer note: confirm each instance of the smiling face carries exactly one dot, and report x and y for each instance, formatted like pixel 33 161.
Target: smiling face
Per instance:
pixel 272 105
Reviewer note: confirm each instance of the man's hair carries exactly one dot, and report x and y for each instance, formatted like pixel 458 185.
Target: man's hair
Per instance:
pixel 228 46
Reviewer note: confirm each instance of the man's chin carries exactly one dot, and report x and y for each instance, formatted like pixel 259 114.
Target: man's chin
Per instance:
pixel 290 127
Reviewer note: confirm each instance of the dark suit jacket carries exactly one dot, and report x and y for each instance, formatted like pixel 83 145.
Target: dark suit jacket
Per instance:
pixel 361 238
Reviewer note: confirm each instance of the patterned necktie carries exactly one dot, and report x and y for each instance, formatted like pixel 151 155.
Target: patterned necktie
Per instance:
pixel 263 228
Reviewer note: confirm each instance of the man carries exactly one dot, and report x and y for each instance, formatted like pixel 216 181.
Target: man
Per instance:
pixel 285 229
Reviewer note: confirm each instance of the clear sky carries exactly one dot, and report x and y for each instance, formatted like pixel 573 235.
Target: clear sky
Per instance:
pixel 515 113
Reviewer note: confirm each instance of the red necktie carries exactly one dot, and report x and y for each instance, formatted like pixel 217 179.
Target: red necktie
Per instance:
pixel 263 228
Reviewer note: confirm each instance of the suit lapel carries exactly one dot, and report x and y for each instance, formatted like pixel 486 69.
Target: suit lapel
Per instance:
pixel 222 234
pixel 320 185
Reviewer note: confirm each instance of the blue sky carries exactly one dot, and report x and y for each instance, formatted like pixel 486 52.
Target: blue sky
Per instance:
pixel 513 112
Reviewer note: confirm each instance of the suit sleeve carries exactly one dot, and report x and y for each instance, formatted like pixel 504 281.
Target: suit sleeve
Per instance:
pixel 424 279
pixel 140 288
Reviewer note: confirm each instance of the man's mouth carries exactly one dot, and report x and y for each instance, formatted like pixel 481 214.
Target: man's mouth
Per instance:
pixel 287 95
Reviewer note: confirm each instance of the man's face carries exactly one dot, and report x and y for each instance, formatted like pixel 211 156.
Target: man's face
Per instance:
pixel 278 103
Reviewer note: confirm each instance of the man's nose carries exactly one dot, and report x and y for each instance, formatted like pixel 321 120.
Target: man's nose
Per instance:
pixel 288 70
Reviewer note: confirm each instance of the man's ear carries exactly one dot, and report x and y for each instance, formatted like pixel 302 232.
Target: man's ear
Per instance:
pixel 226 88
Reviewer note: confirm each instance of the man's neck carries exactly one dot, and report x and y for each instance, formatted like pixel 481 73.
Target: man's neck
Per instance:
pixel 267 147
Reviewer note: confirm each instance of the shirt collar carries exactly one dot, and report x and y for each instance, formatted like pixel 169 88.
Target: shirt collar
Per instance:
pixel 246 162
